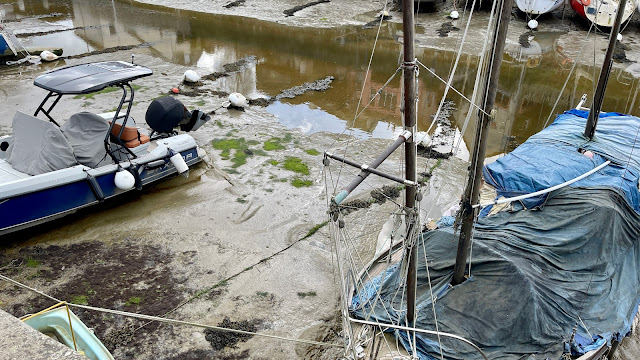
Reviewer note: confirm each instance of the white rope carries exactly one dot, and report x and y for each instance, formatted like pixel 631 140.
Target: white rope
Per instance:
pixel 165 320
pixel 430 332
pixel 541 192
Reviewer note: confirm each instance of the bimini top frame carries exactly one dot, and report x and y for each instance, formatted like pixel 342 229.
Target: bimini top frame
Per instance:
pixel 91 78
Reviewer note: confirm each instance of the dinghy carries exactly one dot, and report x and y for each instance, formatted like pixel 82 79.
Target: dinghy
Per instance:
pixel 65 327
pixel 50 169
pixel 603 12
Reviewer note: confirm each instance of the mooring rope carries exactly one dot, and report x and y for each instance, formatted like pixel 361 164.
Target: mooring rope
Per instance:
pixel 168 321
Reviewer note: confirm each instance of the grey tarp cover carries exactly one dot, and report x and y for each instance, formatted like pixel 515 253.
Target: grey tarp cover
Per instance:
pixel 86 133
pixel 38 146
pixel 535 276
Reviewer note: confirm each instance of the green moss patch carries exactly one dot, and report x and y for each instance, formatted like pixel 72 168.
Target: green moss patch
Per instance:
pixel 241 149
pixel 297 182
pixel 134 300
pixel 296 165
pixel 312 152
pixel 276 143
pixel 80 300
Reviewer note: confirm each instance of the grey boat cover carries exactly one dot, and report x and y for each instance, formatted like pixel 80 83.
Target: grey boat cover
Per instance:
pixel 563 277
pixel 38 146
pixel 86 133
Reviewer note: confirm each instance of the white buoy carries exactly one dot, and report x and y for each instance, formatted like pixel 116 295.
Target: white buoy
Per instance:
pixel 178 162
pixel 532 24
pixel 238 100
pixel 124 180
pixel 48 56
pixel 454 15
pixel 191 76
pixel 619 37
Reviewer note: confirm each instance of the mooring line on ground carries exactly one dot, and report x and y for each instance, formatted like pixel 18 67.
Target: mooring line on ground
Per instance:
pixel 168 321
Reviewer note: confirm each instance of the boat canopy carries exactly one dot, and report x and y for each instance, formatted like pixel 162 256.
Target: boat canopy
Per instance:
pixel 556 154
pixel 561 277
pixel 89 78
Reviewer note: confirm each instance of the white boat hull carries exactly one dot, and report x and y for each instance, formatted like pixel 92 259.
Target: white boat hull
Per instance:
pixel 538 7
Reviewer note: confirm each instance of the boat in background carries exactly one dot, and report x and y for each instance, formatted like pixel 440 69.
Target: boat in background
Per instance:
pixel 9 44
pixel 603 12
pixel 12 52
pixel 62 325
pixel 538 7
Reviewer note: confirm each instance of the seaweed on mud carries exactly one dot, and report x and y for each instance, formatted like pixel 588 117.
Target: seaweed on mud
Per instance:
pixel 230 68
pixel 234 4
pixel 221 339
pixel 430 152
pixel 525 38
pixel 261 102
pixel 318 85
pixel 446 28
pixel 295 9
pixel 378 196
pixel 619 52
pixel 104 276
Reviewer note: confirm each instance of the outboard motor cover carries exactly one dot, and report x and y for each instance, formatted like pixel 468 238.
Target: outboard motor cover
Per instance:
pixel 166 113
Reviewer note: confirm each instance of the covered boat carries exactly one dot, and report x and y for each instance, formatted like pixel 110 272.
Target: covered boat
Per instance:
pixel 49 169
pixel 551 275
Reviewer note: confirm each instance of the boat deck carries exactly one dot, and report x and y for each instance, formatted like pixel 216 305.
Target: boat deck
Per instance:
pixel 9 174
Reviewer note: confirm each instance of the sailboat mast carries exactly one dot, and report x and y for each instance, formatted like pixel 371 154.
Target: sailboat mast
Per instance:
pixel 472 190
pixel 598 97
pixel 409 78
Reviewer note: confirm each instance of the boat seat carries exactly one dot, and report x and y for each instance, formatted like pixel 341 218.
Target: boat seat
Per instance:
pixel 38 146
pixel 86 133
pixel 131 137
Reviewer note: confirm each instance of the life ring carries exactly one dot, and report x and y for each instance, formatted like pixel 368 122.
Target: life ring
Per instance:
pixel 585 2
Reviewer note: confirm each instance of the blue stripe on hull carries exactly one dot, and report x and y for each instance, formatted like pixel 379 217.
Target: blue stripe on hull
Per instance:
pixel 31 207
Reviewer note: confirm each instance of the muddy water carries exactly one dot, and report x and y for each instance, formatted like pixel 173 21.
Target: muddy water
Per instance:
pixel 530 82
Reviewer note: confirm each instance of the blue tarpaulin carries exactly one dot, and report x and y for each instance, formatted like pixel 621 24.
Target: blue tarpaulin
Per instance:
pixel 563 277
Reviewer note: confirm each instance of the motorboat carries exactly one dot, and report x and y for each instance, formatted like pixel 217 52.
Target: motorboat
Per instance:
pixel 50 168
pixel 603 12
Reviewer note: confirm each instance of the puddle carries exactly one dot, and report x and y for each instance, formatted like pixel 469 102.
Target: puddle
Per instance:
pixel 530 80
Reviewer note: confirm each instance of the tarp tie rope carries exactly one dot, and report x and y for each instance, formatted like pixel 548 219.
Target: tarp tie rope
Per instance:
pixel 541 192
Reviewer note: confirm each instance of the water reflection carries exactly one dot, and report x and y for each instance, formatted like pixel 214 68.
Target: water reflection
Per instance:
pixel 530 81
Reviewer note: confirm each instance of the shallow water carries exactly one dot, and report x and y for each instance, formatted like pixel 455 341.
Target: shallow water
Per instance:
pixel 530 81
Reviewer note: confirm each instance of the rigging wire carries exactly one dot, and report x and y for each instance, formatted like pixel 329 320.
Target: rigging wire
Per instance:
pixel 350 127
pixel 453 70
pixel 575 63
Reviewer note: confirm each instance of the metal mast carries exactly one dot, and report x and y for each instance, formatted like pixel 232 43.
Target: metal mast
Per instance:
pixel 409 79
pixel 472 190
pixel 598 97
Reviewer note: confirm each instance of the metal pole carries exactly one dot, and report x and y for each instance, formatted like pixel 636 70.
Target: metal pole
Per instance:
pixel 409 78
pixel 472 190
pixel 598 97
